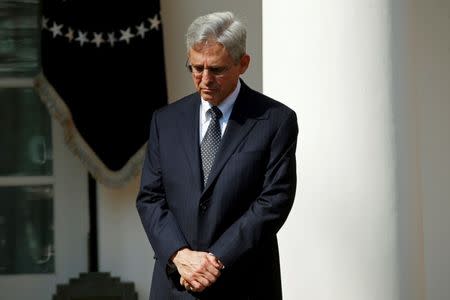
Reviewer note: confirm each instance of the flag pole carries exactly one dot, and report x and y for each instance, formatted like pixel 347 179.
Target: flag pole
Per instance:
pixel 93 232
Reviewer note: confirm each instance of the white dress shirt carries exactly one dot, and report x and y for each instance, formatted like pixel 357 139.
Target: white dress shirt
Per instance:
pixel 225 107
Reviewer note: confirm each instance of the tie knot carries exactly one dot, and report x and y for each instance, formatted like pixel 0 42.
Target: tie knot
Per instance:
pixel 215 113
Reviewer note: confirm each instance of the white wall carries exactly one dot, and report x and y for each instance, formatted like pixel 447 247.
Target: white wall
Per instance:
pixel 355 229
pixel 123 247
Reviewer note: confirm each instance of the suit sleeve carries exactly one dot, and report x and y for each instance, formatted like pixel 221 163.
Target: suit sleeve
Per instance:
pixel 159 223
pixel 268 212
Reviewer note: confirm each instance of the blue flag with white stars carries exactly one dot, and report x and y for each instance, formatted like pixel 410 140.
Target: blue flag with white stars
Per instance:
pixel 103 76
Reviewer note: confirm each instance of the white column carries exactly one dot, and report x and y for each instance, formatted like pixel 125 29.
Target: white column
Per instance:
pixel 433 92
pixel 334 63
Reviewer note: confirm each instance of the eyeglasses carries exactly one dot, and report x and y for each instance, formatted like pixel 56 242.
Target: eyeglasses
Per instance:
pixel 198 70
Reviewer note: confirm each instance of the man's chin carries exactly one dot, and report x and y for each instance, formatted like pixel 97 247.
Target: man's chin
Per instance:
pixel 209 97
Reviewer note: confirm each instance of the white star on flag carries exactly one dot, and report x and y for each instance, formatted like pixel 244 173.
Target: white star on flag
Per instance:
pixel 141 30
pixel 44 22
pixel 82 37
pixel 56 29
pixel 98 39
pixel 154 22
pixel 126 35
pixel 69 34
pixel 111 39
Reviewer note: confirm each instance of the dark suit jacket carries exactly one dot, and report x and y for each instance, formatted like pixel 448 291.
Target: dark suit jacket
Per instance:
pixel 236 216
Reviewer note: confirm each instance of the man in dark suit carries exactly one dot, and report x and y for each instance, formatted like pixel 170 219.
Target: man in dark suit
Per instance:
pixel 219 176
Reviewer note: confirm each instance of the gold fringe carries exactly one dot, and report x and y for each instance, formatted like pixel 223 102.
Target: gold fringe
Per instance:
pixel 58 109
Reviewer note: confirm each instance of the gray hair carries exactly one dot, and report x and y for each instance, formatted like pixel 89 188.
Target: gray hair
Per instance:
pixel 221 27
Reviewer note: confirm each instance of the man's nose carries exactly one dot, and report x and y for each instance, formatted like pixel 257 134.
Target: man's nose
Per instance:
pixel 207 76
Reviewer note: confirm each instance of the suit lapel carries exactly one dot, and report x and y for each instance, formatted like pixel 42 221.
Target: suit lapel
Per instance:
pixel 239 125
pixel 188 126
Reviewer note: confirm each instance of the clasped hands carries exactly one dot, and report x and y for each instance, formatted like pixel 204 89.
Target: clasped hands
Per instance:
pixel 198 269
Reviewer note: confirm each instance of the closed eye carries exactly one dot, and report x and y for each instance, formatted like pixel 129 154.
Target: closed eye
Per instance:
pixel 217 70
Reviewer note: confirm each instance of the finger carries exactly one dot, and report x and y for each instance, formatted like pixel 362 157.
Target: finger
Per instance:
pixel 183 282
pixel 187 286
pixel 208 279
pixel 212 271
pixel 196 285
pixel 199 290
pixel 221 265
pixel 206 269
pixel 204 279
pixel 213 260
pixel 208 274
pixel 196 290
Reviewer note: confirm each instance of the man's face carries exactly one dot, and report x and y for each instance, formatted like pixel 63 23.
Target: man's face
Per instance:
pixel 214 72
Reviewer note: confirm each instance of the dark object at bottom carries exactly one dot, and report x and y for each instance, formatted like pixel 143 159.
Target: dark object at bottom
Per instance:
pixel 95 286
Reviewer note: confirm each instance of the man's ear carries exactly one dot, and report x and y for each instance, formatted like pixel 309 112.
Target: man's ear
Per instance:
pixel 244 63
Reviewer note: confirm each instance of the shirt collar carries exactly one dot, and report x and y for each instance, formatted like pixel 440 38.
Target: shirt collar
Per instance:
pixel 225 107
